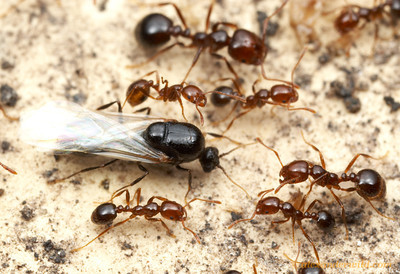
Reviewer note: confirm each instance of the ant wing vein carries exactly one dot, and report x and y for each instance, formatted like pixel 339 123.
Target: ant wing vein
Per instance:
pixel 67 127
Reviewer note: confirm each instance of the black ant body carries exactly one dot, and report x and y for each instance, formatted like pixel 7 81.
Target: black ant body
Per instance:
pixel 271 205
pixel 278 95
pixel 128 137
pixel 107 212
pixel 139 91
pixel 244 46
pixel 368 183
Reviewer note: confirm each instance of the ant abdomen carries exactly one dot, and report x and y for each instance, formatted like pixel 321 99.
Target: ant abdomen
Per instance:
pixel 172 211
pixel 153 30
pixel 104 214
pixel 247 47
pixel 370 184
pixel 138 92
pixel 221 100
pixel 325 220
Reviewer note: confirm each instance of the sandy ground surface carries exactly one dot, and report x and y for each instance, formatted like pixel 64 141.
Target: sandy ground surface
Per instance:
pixel 78 51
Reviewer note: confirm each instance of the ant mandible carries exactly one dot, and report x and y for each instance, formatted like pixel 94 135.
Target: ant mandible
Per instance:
pixel 244 46
pixel 139 91
pixel 271 205
pixel 368 183
pixel 107 212
pixel 279 95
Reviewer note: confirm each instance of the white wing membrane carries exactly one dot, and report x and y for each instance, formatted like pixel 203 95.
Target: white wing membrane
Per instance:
pixel 68 127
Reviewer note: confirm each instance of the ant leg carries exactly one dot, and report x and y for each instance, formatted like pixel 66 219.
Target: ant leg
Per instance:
pixel 203 200
pixel 183 111
pixel 163 224
pixel 189 180
pixel 310 207
pixel 104 232
pixel 227 116
pixel 364 155
pixel 280 221
pixel 231 69
pixel 309 239
pixel 242 220
pixel 233 182
pixel 6 115
pixel 201 114
pixel 303 201
pixel 264 75
pixel 191 231
pixel 208 15
pixel 321 157
pixel 287 106
pixel 225 24
pixel 282 184
pixel 234 119
pixel 81 171
pixel 178 11
pixel 147 109
pixel 137 180
pixel 110 104
pixel 195 59
pixel 273 150
pixel 343 212
pixel 8 168
pixel 297 256
pixel 160 52
pixel 377 211
pixel 216 135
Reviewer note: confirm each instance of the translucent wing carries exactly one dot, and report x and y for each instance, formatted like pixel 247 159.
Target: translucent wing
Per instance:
pixel 68 127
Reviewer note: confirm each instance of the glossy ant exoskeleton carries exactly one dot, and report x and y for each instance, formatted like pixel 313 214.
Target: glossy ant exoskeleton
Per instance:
pixel 244 46
pixel 368 183
pixel 271 205
pixel 107 212
pixel 139 91
pixel 278 95
pixel 351 17
pixel 69 128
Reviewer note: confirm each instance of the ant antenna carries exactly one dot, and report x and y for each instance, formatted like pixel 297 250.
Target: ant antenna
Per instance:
pixel 273 150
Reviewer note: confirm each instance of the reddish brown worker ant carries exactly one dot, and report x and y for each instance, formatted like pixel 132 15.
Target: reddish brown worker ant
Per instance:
pixel 272 205
pixel 350 18
pixel 139 91
pixel 278 95
pixel 107 212
pixel 244 46
pixel 368 183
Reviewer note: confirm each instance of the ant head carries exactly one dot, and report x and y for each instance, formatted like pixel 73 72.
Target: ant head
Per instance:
pixel 194 95
pixel 247 47
pixel 268 205
pixel 370 184
pixel 209 159
pixel 104 214
pixel 138 92
pixel 153 30
pixel 297 171
pixel 346 21
pixel 325 220
pixel 173 211
pixel 284 94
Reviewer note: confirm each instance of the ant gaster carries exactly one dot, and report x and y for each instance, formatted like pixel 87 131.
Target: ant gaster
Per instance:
pixel 244 46
pixel 278 95
pixel 368 183
pixel 271 205
pixel 107 212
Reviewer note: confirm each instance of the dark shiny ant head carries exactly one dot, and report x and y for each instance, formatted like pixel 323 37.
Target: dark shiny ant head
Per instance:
pixel 346 21
pixel 284 94
pixel 297 171
pixel 325 220
pixel 104 214
pixel 370 184
pixel 138 92
pixel 153 30
pixel 209 159
pixel 268 205
pixel 221 100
